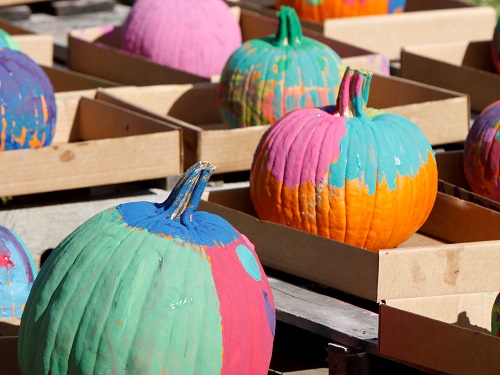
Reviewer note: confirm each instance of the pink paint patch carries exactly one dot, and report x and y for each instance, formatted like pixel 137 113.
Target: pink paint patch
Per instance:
pixel 246 334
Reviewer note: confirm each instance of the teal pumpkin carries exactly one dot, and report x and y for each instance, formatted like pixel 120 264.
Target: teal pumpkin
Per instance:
pixel 149 288
pixel 268 77
pixel 6 41
pixel 17 273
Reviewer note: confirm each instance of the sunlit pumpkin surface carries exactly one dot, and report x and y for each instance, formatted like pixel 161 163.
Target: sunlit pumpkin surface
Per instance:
pixel 268 77
pixel 147 288
pixel 17 273
pixel 368 182
pixel 27 103
pixel 482 153
pixel 320 10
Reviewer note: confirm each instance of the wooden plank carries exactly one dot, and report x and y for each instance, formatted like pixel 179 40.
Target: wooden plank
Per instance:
pixel 337 320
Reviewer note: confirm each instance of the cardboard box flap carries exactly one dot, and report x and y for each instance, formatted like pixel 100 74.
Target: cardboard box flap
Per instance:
pixel 452 180
pixel 425 265
pixel 109 62
pixel 461 67
pixel 39 47
pixel 448 334
pixel 451 220
pixel 63 79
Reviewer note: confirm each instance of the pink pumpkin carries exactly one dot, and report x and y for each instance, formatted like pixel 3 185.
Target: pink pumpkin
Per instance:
pixel 195 36
pixel 482 153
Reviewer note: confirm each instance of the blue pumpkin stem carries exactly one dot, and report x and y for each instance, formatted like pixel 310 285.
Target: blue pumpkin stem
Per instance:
pixel 289 28
pixel 186 194
pixel 354 92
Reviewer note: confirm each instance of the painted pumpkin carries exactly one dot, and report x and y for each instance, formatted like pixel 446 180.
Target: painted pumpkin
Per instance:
pixel 368 182
pixel 495 317
pixel 27 103
pixel 149 288
pixel 195 36
pixel 320 10
pixel 495 47
pixel 17 273
pixel 268 77
pixel 6 41
pixel 482 153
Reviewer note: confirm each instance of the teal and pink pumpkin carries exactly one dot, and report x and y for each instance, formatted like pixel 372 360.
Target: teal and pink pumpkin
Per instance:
pixel 17 273
pixel 495 46
pixel 195 36
pixel 368 181
pixel 268 77
pixel 7 41
pixel 150 288
pixel 482 153
pixel 27 103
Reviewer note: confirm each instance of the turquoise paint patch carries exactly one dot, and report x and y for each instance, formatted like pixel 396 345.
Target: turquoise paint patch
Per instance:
pixel 249 262
pixel 383 148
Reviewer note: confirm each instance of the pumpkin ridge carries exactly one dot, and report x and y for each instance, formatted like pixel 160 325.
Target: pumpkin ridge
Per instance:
pixel 68 298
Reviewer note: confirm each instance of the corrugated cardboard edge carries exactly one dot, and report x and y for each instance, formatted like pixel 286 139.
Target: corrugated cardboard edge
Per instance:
pixel 435 344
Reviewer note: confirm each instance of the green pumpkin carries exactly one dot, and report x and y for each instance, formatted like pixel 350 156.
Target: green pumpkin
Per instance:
pixel 151 288
pixel 268 77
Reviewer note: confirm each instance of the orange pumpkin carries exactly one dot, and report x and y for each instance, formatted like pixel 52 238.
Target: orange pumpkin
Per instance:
pixel 319 10
pixel 366 181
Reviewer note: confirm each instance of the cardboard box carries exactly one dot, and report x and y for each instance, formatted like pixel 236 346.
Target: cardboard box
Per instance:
pixel 423 21
pixel 452 179
pixel 63 80
pixel 442 115
pixel 465 67
pixel 39 47
pixel 96 51
pixel 450 334
pixel 456 251
pixel 95 144
pixel 9 329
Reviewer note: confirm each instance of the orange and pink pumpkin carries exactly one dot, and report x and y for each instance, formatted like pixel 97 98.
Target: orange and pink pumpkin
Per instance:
pixel 268 77
pixel 366 181
pixel 151 288
pixel 482 153
pixel 27 103
pixel 17 273
pixel 195 36
pixel 320 10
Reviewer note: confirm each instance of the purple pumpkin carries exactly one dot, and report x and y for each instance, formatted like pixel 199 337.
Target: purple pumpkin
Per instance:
pixel 17 273
pixel 27 103
pixel 482 153
pixel 196 36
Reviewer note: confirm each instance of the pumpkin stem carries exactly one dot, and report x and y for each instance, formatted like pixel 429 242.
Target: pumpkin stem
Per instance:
pixel 186 194
pixel 354 92
pixel 289 29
